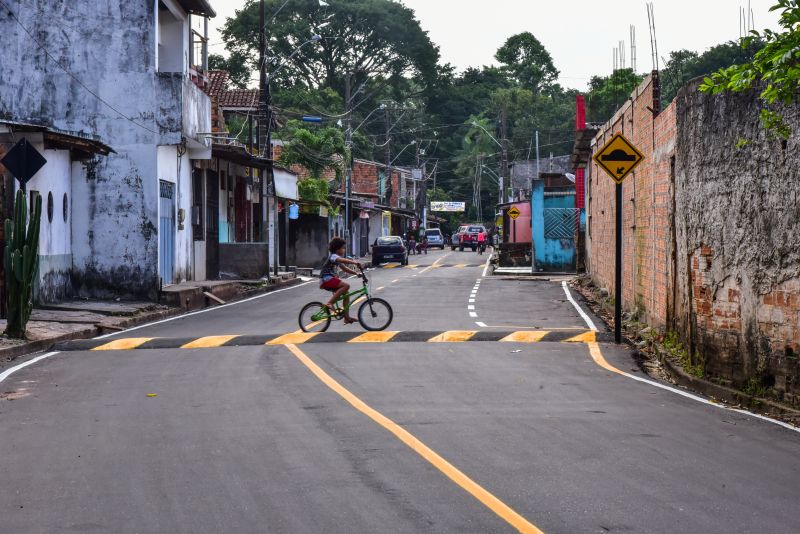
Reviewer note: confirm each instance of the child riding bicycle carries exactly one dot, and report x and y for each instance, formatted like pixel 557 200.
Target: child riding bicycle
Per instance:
pixel 329 275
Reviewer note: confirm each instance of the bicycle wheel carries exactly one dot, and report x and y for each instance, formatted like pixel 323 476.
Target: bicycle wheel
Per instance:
pixel 375 314
pixel 314 317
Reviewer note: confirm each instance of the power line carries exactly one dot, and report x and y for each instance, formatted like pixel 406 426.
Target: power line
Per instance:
pixel 70 74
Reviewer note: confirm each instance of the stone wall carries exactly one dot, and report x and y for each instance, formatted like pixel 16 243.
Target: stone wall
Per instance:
pixel 737 221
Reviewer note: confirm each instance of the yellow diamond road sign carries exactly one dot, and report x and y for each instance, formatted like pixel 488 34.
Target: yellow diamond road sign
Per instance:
pixel 514 212
pixel 618 158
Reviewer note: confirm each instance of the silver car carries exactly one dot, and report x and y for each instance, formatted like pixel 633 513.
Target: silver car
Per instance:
pixel 435 238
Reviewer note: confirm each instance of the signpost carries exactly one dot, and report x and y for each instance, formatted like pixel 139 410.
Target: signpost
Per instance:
pixel 618 158
pixel 24 161
pixel 513 212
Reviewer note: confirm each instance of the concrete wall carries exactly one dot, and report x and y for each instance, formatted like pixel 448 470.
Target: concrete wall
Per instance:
pixel 243 260
pixel 309 238
pixel 111 49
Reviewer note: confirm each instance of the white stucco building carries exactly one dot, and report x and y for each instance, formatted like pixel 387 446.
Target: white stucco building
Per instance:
pixel 128 73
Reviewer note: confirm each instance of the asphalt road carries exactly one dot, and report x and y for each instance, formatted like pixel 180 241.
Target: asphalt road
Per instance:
pixel 383 437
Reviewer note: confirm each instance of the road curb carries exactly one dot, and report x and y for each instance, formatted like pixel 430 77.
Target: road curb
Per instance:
pixel 9 354
pixel 720 392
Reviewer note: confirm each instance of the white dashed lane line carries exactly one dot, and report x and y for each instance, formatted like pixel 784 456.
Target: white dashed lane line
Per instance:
pixel 471 303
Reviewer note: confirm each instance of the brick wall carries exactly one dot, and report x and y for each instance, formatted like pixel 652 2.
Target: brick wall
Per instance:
pixel 646 205
pixel 711 224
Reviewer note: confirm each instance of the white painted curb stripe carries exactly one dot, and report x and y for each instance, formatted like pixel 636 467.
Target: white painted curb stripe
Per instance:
pixel 486 267
pixel 586 318
pixel 12 370
pixel 676 390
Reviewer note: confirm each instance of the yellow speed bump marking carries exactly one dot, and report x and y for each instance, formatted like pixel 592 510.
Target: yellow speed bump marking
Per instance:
pixel 453 473
pixel 124 344
pixel 391 266
pixel 208 342
pixel 586 337
pixel 374 337
pixel 461 265
pixel 530 336
pixel 453 336
pixel 295 338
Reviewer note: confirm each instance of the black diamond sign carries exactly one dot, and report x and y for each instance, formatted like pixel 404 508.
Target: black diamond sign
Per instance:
pixel 23 161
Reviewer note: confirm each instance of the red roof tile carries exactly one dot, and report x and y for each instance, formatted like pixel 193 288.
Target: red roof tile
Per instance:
pixel 239 98
pixel 217 82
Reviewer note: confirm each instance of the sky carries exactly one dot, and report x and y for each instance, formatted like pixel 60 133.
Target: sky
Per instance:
pixel 579 34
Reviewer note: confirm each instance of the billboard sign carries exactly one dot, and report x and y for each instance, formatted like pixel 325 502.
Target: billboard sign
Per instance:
pixel 457 207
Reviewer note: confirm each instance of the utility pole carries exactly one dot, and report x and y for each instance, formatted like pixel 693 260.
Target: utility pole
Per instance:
pixel 387 182
pixel 504 156
pixel 264 144
pixel 349 168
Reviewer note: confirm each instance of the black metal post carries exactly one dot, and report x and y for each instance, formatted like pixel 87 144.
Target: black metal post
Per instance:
pixel 618 271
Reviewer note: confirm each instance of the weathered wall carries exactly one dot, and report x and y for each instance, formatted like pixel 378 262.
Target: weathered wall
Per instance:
pixel 309 238
pixel 647 208
pixel 738 226
pixel 711 226
pixel 243 260
pixel 110 48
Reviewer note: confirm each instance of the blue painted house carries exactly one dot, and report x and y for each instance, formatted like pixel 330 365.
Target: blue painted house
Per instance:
pixel 554 223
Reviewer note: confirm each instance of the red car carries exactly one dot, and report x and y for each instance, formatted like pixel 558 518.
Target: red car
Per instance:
pixel 467 236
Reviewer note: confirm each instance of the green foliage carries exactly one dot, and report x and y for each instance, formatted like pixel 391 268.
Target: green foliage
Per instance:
pixel 317 150
pixel 527 62
pixel 21 262
pixel 607 94
pixel 314 189
pixel 678 352
pixel 776 65
pixel 684 65
pixel 235 64
pixel 237 125
pixel 373 38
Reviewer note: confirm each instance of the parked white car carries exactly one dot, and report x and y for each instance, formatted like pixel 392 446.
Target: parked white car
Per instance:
pixel 435 238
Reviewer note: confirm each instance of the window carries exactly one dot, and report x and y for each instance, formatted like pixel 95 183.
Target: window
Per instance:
pixel 389 241
pixel 65 203
pixel 50 207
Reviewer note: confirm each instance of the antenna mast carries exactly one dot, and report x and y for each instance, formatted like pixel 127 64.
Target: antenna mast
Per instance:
pixel 651 19
pixel 633 48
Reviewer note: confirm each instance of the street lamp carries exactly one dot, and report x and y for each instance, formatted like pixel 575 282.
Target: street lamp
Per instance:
pixel 477 125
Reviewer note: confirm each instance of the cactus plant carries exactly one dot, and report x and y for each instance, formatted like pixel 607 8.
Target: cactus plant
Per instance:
pixel 21 261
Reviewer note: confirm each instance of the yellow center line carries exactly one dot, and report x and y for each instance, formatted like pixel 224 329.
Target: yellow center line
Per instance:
pixel 453 473
pixel 434 265
pixel 124 344
pixel 293 338
pixel 597 356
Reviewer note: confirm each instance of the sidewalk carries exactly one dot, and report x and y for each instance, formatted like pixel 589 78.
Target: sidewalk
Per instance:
pixel 82 319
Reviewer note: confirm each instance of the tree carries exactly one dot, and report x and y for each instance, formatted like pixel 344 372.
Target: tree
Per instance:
pixel 527 62
pixel 371 38
pixel 316 150
pixel 235 65
pixel 776 65
pixel 684 65
pixel 607 94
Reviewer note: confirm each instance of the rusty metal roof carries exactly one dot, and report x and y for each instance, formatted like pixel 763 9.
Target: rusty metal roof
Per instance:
pixel 86 143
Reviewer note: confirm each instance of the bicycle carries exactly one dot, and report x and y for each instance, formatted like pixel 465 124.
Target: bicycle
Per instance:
pixel 374 314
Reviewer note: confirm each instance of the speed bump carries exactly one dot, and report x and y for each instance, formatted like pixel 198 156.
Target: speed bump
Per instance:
pixel 301 338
